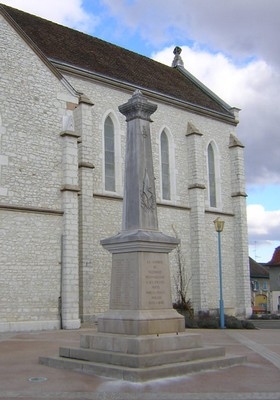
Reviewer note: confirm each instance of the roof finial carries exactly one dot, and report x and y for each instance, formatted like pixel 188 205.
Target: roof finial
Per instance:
pixel 177 59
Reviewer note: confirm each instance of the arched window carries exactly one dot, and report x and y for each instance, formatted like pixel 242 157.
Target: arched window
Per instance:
pixel 212 176
pixel 165 166
pixel 109 149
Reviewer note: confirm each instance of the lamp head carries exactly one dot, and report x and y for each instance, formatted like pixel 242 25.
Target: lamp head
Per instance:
pixel 219 224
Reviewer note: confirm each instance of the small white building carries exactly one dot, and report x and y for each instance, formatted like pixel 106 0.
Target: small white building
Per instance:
pixel 62 146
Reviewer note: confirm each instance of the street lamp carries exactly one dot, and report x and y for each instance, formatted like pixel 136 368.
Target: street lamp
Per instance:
pixel 219 226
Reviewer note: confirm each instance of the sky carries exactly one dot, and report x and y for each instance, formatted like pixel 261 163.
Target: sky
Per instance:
pixel 232 47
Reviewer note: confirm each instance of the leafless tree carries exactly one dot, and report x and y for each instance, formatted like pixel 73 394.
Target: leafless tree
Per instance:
pixel 181 279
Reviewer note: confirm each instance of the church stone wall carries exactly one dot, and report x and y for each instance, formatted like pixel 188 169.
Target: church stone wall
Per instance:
pixel 30 271
pixel 33 103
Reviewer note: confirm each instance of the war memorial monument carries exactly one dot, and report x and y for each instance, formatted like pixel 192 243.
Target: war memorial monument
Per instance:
pixel 141 337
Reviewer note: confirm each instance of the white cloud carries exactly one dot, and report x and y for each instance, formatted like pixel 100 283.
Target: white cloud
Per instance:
pixel 237 27
pixel 263 224
pixel 66 12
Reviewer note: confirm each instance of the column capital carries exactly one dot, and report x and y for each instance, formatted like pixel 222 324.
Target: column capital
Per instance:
pixel 138 107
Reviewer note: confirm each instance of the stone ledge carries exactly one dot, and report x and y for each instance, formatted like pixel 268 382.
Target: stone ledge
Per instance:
pixel 70 133
pixel 141 374
pixel 85 164
pixel 140 240
pixel 70 188
pixel 143 360
pixel 34 210
pixel 145 344
pixel 197 186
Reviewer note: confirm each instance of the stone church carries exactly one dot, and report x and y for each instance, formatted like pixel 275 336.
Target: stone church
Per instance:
pixel 62 146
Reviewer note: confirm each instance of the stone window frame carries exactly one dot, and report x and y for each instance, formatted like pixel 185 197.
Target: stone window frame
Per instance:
pixel 214 176
pixel 171 163
pixel 116 188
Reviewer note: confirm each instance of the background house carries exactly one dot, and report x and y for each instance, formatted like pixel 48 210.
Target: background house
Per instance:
pixel 274 277
pixel 62 145
pixel 260 287
pixel 265 284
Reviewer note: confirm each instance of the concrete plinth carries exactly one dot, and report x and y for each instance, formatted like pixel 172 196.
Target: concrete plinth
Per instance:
pixel 140 298
pixel 141 322
pixel 141 358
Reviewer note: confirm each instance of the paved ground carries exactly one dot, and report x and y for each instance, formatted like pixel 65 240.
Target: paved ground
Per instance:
pixel 267 324
pixel 21 376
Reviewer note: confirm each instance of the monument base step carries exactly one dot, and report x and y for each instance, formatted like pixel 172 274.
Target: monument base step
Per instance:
pixel 141 374
pixel 143 344
pixel 141 358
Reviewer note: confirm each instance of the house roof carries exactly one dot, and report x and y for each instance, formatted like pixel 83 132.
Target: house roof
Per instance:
pixel 275 258
pixel 257 270
pixel 64 45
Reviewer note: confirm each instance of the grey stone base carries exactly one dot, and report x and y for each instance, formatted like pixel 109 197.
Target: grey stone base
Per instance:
pixel 141 358
pixel 141 322
pixel 142 374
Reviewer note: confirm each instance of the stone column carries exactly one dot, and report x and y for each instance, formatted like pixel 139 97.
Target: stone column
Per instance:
pixel 83 125
pixel 197 217
pixel 70 243
pixel 139 210
pixel 140 297
pixel 243 291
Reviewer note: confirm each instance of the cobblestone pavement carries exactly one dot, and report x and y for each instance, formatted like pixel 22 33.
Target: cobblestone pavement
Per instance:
pixel 22 377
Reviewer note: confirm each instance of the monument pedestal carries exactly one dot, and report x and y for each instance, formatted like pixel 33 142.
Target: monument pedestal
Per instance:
pixel 144 322
pixel 141 337
pixel 140 296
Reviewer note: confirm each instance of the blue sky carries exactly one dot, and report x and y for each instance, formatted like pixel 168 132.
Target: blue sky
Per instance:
pixel 232 47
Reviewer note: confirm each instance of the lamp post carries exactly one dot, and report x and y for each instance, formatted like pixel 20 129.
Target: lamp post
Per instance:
pixel 219 226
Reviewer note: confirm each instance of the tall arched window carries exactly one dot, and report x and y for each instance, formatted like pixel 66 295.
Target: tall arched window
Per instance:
pixel 109 147
pixel 165 166
pixel 212 176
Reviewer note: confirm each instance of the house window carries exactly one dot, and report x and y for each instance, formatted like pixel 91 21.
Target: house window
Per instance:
pixel 255 286
pixel 264 286
pixel 109 147
pixel 211 176
pixel 165 166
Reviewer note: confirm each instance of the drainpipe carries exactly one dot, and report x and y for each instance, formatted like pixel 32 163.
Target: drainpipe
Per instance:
pixel 60 284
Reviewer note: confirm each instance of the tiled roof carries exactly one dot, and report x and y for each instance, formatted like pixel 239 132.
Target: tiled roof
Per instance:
pixel 74 48
pixel 257 270
pixel 275 258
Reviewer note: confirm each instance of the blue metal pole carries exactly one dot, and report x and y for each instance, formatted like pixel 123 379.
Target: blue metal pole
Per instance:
pixel 222 314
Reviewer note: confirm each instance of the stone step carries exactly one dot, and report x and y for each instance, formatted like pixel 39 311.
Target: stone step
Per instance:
pixel 142 360
pixel 145 344
pixel 142 374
